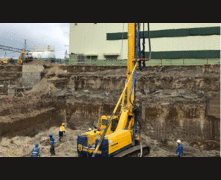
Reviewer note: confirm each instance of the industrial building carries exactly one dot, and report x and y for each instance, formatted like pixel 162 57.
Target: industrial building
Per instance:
pixel 108 41
pixel 44 53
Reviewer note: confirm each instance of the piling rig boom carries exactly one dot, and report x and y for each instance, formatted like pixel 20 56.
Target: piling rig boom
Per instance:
pixel 118 136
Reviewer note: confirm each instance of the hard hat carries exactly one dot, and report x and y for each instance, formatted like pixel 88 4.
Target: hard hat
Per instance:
pixel 50 134
pixel 36 145
pixel 178 141
pixel 89 129
pixel 62 124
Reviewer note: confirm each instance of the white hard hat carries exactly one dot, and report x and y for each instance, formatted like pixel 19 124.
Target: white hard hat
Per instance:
pixel 178 141
pixel 89 129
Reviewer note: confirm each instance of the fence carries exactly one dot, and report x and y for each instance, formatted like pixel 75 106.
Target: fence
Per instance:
pixel 123 62
pixel 152 62
pixel 56 61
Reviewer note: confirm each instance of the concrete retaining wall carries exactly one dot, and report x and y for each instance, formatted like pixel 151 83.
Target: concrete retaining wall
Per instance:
pixel 31 74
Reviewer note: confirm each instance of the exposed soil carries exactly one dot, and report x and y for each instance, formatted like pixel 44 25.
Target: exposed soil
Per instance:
pixel 14 147
pixel 174 95
pixel 44 87
pixel 40 62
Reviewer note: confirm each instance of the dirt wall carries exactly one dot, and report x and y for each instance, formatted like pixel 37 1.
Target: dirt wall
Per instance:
pixel 180 121
pixel 182 102
pixel 32 125
pixel 29 115
pixel 11 74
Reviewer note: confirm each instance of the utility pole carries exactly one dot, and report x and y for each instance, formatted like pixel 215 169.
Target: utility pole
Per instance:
pixel 25 46
pixel 66 54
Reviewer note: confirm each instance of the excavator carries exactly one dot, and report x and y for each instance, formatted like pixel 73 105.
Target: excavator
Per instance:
pixel 6 60
pixel 119 135
pixel 3 61
pixel 24 58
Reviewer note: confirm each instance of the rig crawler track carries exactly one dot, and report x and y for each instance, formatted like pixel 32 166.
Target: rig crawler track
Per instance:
pixel 135 152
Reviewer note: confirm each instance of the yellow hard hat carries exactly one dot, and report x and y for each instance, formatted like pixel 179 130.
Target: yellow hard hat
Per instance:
pixel 62 124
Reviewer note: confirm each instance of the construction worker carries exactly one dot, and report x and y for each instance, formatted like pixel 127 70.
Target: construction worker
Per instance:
pixel 35 151
pixel 52 143
pixel 179 149
pixel 61 131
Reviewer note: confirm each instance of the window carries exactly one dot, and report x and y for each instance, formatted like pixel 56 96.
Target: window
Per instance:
pixel 111 57
pixel 104 122
pixel 114 124
pixel 91 57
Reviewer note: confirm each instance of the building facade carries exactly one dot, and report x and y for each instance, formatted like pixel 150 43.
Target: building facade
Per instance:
pixel 105 41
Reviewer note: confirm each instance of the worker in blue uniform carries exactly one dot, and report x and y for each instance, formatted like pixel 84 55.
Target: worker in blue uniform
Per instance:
pixel 35 151
pixel 52 143
pixel 179 149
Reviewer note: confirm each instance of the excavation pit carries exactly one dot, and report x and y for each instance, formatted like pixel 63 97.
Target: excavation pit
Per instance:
pixel 175 102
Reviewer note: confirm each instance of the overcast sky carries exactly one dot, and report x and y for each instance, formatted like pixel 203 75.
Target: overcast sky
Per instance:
pixel 36 34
